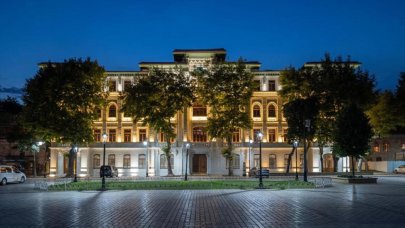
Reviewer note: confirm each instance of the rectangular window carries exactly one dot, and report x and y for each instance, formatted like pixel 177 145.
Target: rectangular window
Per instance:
pixel 142 161
pixel 127 135
pixel 97 135
pixel 142 135
pixel 272 85
pixel 376 148
pixel 163 161
pixel 272 161
pixel 256 161
pixel 285 160
pixel 127 161
pixel 285 133
pixel 236 161
pixel 96 161
pixel 111 159
pixel 386 147
pixel 255 134
pixel 235 136
pixel 256 85
pixel 112 133
pixel 199 110
pixel 272 135
pixel 127 85
pixel 112 86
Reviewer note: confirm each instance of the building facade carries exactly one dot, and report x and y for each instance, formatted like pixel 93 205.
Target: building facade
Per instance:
pixel 136 149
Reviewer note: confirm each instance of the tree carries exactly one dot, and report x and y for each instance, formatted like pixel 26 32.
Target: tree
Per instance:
pixel 400 103
pixel 61 101
pixel 334 84
pixel 384 115
pixel 226 88
pixel 156 98
pixel 352 133
pixel 300 115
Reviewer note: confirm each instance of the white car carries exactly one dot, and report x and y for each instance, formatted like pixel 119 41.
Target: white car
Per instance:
pixel 10 174
pixel 400 169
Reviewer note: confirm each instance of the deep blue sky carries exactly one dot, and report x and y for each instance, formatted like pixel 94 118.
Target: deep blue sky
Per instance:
pixel 120 34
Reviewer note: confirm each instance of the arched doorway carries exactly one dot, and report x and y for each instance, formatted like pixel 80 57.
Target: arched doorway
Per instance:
pixel 199 164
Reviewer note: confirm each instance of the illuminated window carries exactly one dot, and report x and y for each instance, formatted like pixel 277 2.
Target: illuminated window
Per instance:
pixel 96 161
pixel 142 161
pixel 127 161
pixel 235 136
pixel 142 135
pixel 376 148
pixel 386 147
pixel 236 161
pixel 112 133
pixel 163 161
pixel 256 111
pixel 112 86
pixel 272 85
pixel 112 111
pixel 127 135
pixel 271 111
pixel 199 110
pixel 272 135
pixel 111 159
pixel 255 134
pixel 285 135
pixel 162 138
pixel 272 161
pixel 199 134
pixel 97 135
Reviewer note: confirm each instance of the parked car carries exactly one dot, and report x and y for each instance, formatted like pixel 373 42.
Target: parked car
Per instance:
pixel 265 173
pixel 400 169
pixel 9 174
pixel 108 171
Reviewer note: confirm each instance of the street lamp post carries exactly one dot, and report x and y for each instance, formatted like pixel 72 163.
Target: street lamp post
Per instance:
pixel 295 144
pixel 187 147
pixel 75 164
pixel 103 177
pixel 250 151
pixel 307 127
pixel 145 143
pixel 38 144
pixel 260 137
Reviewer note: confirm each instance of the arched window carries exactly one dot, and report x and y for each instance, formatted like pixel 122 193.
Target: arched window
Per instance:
pixel 199 110
pixel 96 161
pixel 236 161
pixel 271 111
pixel 127 161
pixel 111 159
pixel 112 111
pixel 199 134
pixel 163 161
pixel 256 111
pixel 142 161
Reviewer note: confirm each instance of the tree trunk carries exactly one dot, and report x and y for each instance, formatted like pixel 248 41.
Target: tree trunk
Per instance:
pixel 229 143
pixel 353 166
pixel 289 160
pixel 321 157
pixel 167 153
pixel 71 162
pixel 335 163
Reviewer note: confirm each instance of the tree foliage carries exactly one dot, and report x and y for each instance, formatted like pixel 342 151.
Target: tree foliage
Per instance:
pixel 61 100
pixel 333 84
pixel 352 133
pixel 156 98
pixel 226 88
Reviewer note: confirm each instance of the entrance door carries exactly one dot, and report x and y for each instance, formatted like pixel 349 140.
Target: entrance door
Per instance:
pixel 199 164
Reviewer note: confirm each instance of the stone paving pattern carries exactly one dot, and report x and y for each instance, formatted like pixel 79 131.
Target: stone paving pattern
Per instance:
pixel 343 205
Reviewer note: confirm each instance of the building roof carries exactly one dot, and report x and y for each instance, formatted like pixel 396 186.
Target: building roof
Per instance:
pixel 210 50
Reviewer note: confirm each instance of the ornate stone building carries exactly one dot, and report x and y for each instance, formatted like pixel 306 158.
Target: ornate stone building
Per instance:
pixel 125 148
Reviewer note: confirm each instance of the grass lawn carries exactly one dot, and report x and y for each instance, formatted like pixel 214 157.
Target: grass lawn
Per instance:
pixel 180 185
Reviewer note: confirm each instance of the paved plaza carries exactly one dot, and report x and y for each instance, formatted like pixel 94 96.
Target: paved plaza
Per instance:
pixel 342 205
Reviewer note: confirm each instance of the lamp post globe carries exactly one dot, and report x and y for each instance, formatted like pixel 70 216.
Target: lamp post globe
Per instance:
pixel 103 177
pixel 260 137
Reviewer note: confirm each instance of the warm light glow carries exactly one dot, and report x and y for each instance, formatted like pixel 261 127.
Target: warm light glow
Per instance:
pixel 260 136
pixel 145 143
pixel 104 137
pixel 40 143
pixel 51 175
pixel 188 145
pixel 250 141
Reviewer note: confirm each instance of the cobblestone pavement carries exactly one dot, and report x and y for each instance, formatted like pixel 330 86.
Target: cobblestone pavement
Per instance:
pixel 343 205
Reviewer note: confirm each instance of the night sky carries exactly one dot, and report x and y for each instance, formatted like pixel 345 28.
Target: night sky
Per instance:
pixel 120 34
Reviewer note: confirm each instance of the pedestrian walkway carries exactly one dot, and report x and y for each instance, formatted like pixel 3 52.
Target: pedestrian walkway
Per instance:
pixel 342 205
